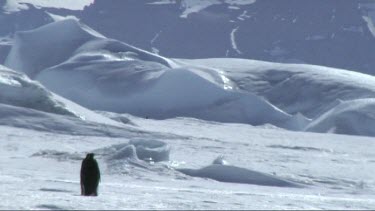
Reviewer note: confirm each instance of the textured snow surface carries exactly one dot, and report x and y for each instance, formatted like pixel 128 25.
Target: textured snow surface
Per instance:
pixel 40 170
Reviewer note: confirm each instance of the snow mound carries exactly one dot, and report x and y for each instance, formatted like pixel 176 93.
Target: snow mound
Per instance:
pixel 55 42
pixel 220 160
pixel 26 103
pixel 125 153
pixel 353 117
pixel 137 149
pixel 125 161
pixel 234 174
pixel 135 157
pixel 18 90
pixel 58 41
pixel 295 88
pixel 151 150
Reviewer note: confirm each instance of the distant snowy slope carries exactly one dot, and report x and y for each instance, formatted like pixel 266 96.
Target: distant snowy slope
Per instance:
pixel 310 90
pixel 279 31
pixel 31 49
pixel 60 41
pixel 195 6
pixel 105 74
pixel 17 5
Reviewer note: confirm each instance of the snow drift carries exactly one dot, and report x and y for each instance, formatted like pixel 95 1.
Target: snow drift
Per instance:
pixel 137 149
pixel 136 156
pixel 227 173
pixel 354 117
pixel 151 150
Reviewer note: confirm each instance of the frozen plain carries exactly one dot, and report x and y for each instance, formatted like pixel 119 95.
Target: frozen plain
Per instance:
pixel 40 170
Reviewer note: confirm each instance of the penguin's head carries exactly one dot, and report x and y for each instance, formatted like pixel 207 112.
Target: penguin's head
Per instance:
pixel 90 156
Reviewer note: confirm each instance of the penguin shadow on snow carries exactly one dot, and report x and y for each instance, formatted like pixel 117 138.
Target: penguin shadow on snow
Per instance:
pixel 55 190
pixel 49 207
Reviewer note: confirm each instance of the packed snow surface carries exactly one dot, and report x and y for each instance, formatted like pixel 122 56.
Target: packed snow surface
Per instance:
pixel 40 169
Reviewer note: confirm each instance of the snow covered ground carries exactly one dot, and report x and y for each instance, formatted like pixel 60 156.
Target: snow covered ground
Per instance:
pixel 40 169
pixel 177 133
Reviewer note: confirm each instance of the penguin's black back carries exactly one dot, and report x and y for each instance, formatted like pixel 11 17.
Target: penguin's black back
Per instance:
pixel 90 175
